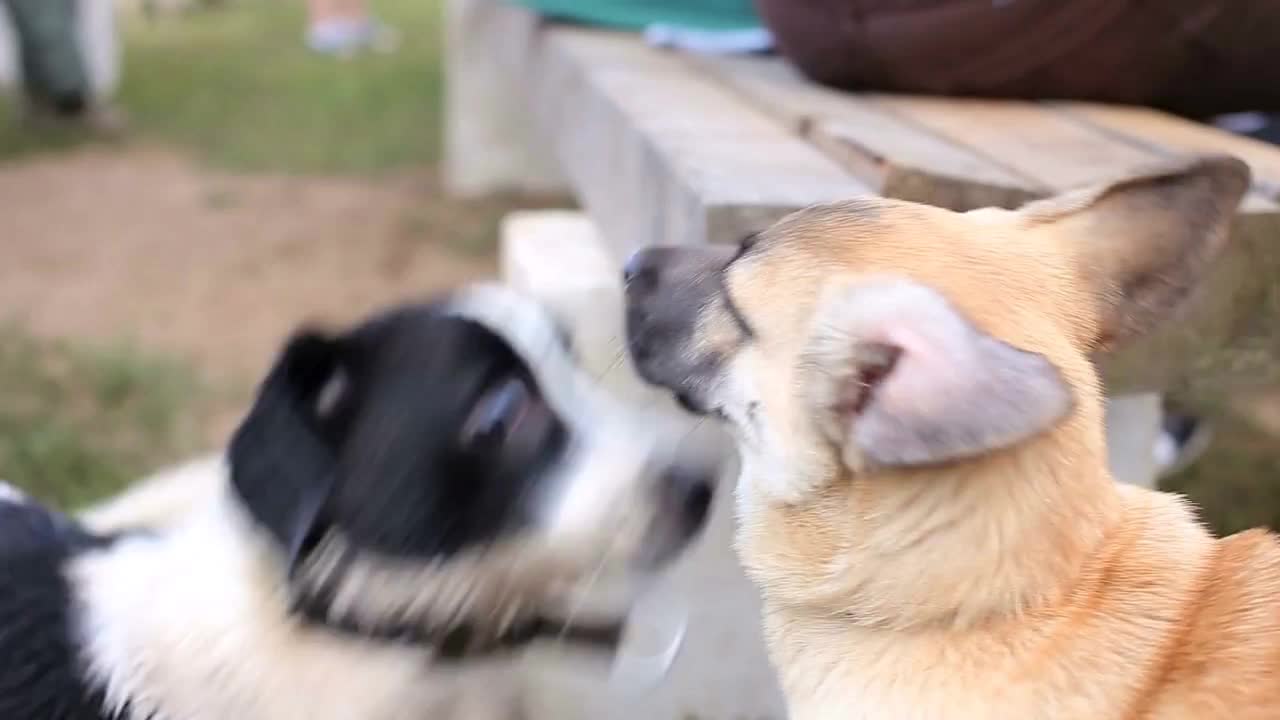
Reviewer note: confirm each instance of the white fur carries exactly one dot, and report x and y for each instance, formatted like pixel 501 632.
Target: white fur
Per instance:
pixel 192 625
pixel 161 499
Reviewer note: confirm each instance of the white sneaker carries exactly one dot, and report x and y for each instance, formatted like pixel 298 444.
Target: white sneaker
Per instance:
pixel 345 38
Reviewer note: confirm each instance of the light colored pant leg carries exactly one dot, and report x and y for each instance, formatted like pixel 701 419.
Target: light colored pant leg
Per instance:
pixel 1133 424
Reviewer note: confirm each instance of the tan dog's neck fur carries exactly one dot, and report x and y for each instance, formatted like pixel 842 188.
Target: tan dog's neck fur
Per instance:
pixel 1084 655
pixel 1039 526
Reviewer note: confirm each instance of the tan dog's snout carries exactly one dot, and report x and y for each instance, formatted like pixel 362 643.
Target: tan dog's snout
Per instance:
pixel 662 284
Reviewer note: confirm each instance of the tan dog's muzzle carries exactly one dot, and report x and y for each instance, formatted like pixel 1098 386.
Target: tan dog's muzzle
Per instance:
pixel 667 289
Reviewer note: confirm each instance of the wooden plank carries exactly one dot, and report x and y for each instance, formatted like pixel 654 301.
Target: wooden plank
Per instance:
pixel 487 149
pixel 656 153
pixel 1036 140
pixel 1144 127
pixel 1025 138
pixel 896 157
pixel 1054 148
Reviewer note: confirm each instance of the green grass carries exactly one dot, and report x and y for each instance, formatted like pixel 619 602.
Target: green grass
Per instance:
pixel 78 423
pixel 18 141
pixel 1236 484
pixel 238 87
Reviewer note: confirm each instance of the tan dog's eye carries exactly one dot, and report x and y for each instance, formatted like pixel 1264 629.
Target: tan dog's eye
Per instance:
pixel 744 246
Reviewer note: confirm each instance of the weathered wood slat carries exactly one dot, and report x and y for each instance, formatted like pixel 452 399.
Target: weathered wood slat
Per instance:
pixel 657 153
pixel 1055 149
pixel 1144 127
pixel 1024 138
pixel 487 147
pixel 968 153
pixel 896 157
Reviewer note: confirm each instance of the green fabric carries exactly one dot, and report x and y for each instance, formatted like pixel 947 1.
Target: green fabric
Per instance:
pixel 639 14
pixel 53 68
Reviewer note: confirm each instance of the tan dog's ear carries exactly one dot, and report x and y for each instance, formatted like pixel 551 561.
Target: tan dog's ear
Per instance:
pixel 898 377
pixel 1144 242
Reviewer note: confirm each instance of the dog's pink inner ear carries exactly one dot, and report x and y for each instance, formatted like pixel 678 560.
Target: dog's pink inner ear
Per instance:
pixel 899 378
pixel 1143 243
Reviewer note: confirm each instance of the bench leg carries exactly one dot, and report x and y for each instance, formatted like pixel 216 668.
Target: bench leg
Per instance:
pixel 1133 425
pixel 489 142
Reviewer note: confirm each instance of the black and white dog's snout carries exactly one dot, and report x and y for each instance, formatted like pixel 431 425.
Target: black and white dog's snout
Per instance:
pixel 685 491
pixel 441 481
pixel 689 490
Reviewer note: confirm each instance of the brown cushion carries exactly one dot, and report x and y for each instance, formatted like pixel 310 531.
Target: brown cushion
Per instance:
pixel 1197 56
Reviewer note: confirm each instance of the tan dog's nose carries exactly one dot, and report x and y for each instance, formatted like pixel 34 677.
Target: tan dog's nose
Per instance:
pixel 651 268
pixel 639 265
pixel 643 271
pixel 665 289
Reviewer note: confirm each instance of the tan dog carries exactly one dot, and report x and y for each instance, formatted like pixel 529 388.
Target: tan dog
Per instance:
pixel 924 500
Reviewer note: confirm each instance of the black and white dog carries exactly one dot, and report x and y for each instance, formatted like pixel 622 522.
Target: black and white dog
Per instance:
pixel 436 486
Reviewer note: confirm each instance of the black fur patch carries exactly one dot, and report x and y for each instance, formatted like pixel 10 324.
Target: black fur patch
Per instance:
pixel 412 456
pixel 41 669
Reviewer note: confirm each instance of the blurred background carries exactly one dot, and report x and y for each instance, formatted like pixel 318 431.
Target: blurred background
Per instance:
pixel 154 253
pixel 152 262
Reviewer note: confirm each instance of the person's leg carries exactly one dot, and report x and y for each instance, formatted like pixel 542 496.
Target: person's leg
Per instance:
pixel 54 73
pixel 319 11
pixel 343 27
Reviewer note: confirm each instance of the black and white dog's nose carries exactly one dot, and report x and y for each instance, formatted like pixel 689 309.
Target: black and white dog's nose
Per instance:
pixel 691 490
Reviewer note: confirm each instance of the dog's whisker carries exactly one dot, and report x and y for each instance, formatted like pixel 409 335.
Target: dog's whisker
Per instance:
pixel 579 602
pixel 693 428
pixel 619 358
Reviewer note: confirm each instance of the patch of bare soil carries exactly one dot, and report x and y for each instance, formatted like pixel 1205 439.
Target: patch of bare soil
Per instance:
pixel 101 244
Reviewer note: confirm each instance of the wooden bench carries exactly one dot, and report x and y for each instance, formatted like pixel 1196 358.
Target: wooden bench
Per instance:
pixel 659 147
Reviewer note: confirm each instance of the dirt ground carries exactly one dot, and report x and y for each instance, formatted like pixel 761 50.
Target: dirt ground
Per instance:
pixel 216 268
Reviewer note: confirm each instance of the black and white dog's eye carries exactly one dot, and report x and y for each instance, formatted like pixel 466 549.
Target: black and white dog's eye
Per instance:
pixel 499 409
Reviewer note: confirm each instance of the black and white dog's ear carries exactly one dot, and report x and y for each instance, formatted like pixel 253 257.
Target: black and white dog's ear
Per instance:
pixel 283 463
